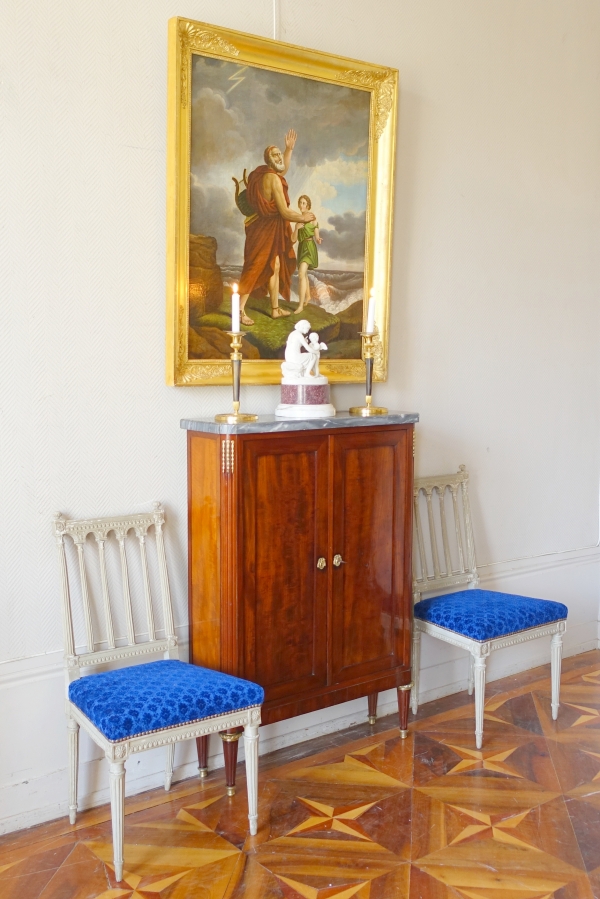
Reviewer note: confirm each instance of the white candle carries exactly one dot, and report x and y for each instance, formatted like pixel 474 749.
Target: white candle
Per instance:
pixel 371 312
pixel 235 309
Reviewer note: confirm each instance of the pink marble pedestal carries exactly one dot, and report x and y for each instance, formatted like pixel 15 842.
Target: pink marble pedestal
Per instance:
pixel 305 398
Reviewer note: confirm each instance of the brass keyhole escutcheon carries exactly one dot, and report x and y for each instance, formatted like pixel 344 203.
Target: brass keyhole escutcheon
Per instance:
pixel 337 560
pixel 321 563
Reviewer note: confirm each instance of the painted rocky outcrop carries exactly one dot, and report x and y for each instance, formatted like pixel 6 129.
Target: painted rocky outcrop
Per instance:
pixel 269 335
pixel 205 281
pixel 266 339
pixel 351 320
pixel 212 343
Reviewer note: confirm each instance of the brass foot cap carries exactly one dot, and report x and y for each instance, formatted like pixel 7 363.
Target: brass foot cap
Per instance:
pixel 231 791
pixel 404 734
pixel 372 719
pixel 230 738
pixel 202 772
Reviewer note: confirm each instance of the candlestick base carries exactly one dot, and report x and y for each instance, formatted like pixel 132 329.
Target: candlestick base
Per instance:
pixel 367 410
pixel 234 418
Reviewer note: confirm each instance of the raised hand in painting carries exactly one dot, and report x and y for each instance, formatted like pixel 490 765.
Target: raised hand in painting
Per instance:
pixel 290 142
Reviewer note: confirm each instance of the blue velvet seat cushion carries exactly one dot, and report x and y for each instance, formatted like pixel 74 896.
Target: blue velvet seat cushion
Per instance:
pixel 143 698
pixel 483 614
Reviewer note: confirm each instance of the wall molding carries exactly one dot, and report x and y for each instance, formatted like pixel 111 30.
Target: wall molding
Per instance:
pixel 34 668
pixel 546 562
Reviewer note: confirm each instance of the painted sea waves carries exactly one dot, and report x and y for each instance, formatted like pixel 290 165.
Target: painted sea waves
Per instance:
pixel 335 311
pixel 332 291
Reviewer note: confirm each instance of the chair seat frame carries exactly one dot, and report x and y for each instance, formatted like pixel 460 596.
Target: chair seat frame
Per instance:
pixel 465 575
pixel 118 752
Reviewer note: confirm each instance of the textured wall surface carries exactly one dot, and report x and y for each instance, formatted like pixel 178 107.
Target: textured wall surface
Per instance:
pixel 494 317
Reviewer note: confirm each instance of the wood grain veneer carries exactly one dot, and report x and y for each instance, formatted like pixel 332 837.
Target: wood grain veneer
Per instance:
pixel 262 510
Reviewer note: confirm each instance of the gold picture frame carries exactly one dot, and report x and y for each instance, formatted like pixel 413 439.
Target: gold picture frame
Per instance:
pixel 206 155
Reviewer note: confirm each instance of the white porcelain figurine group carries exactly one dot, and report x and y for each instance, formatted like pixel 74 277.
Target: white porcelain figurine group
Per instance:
pixel 302 355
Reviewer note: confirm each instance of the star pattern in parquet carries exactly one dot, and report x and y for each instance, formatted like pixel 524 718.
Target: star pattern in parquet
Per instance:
pixel 376 817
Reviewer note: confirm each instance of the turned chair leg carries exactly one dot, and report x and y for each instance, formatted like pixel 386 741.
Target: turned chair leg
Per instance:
pixel 555 662
pixel 73 732
pixel 230 751
pixel 169 766
pixel 202 748
pixel 372 698
pixel 251 750
pixel 117 810
pixel 403 701
pixel 416 661
pixel 479 678
pixel 471 675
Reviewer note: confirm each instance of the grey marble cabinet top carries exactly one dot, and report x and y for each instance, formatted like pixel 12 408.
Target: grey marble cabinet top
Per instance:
pixel 270 424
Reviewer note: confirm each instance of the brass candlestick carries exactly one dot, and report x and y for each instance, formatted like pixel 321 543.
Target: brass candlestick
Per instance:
pixel 368 338
pixel 232 418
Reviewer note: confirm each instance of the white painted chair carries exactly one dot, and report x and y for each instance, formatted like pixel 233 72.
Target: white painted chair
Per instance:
pixel 159 703
pixel 477 620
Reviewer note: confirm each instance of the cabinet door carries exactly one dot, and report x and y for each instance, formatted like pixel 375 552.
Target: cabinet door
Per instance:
pixel 371 529
pixel 283 595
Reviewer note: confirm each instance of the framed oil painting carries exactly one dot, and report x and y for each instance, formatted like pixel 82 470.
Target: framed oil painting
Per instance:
pixel 280 181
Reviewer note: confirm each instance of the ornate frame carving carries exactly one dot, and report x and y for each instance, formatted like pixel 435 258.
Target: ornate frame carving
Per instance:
pixel 186 38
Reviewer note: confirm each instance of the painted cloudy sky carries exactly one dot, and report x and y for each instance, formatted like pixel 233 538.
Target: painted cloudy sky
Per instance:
pixel 239 110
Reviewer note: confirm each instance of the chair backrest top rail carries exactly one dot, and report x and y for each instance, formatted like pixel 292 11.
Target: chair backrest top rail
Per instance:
pixel 455 479
pixel 78 529
pixel 120 524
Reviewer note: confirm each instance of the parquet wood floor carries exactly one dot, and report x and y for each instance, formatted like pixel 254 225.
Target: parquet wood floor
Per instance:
pixel 364 814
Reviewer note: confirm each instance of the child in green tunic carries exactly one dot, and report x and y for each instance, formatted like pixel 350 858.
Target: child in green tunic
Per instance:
pixel 308 237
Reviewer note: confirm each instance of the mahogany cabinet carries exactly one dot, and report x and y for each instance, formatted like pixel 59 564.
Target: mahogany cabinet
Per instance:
pixel 300 557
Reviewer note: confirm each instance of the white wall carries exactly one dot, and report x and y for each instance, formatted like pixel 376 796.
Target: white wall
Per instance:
pixel 494 316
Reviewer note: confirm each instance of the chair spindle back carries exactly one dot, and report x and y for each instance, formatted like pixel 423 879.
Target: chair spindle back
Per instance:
pixel 78 530
pixel 444 553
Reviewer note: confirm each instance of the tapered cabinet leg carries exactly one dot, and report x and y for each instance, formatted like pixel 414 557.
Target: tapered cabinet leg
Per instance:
pixel 117 810
pixel 416 662
pixel 169 766
pixel 403 704
pixel 471 675
pixel 479 683
pixel 372 707
pixel 202 748
pixel 555 664
pixel 230 751
pixel 251 750
pixel 73 736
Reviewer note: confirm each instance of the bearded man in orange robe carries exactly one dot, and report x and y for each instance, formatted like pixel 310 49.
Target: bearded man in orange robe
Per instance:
pixel 269 257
